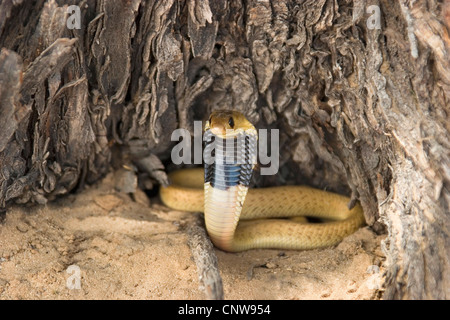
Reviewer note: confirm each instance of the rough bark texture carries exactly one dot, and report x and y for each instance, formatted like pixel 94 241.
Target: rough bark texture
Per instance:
pixel 363 110
pixel 205 258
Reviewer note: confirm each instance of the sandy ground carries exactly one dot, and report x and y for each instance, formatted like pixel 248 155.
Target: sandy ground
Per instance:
pixel 101 244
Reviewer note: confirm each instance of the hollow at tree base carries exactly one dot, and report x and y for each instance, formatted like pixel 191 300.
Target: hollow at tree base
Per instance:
pixel 127 248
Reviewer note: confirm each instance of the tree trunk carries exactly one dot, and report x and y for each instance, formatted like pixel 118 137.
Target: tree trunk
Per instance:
pixel 359 89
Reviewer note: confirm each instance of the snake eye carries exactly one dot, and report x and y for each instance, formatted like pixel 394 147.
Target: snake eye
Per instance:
pixel 231 123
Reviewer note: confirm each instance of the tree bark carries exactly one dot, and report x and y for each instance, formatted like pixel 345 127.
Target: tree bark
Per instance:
pixel 359 89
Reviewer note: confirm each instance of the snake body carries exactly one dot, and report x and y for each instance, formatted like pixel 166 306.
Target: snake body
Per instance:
pixel 238 218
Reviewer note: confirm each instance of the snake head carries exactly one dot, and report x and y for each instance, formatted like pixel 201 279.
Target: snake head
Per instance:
pixel 228 123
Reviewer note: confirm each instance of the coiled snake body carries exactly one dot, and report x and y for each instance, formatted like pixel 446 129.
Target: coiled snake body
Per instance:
pixel 237 218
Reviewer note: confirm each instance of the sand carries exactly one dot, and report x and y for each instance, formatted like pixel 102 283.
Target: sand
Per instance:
pixel 103 244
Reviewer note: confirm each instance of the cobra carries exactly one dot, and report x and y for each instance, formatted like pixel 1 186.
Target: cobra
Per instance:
pixel 238 218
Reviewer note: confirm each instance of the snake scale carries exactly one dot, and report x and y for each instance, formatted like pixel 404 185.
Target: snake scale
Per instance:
pixel 238 218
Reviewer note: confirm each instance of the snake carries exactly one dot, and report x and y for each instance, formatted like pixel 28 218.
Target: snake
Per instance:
pixel 239 218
